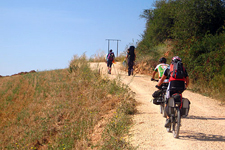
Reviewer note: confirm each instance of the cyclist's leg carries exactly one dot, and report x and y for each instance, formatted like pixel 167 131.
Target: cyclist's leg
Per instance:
pixel 167 97
pixel 168 92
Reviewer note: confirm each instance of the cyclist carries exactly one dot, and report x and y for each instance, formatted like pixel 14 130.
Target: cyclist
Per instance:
pixel 160 68
pixel 175 85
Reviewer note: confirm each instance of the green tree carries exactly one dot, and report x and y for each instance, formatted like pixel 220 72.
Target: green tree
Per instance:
pixel 198 17
pixel 198 31
pixel 182 19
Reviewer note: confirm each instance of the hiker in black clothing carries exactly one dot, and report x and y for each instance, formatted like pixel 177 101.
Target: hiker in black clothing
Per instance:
pixel 130 59
pixel 110 58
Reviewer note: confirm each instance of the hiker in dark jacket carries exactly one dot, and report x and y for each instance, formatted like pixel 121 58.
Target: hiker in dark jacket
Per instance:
pixel 131 56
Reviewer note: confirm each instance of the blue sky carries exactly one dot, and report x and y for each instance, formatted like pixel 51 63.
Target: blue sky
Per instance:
pixel 46 34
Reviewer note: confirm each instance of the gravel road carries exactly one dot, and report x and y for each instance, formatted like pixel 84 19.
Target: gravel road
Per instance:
pixel 203 129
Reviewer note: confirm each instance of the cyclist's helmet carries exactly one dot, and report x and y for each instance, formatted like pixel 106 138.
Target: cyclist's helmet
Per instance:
pixel 176 58
pixel 162 60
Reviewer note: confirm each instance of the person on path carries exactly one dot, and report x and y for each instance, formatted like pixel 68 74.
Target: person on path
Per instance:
pixel 110 58
pixel 176 85
pixel 160 68
pixel 131 56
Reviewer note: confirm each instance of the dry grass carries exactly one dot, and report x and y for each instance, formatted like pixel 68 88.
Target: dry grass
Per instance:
pixel 100 56
pixel 58 109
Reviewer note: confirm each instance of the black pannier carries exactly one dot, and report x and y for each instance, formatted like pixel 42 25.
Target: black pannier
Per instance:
pixel 157 97
pixel 185 107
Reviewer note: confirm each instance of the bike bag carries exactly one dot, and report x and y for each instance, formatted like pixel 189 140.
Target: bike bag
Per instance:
pixel 171 102
pixel 185 107
pixel 157 93
pixel 174 101
pixel 157 101
pixel 171 106
pixel 157 97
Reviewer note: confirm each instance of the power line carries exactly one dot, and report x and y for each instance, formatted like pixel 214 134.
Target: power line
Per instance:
pixel 113 40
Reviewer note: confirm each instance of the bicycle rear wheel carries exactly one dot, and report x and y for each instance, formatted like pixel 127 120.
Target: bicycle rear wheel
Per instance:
pixel 168 129
pixel 164 111
pixel 162 108
pixel 176 124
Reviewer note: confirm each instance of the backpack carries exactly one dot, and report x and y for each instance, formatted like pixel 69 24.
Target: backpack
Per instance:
pixel 177 71
pixel 131 54
pixel 110 56
pixel 131 57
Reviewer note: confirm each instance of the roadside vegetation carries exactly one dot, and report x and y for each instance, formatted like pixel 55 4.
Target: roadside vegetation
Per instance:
pixel 192 30
pixel 62 109
pixel 100 56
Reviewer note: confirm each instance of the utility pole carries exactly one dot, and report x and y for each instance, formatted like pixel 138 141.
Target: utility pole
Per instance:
pixel 113 40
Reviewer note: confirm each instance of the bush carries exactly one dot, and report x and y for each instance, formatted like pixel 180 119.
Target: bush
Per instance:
pixel 204 59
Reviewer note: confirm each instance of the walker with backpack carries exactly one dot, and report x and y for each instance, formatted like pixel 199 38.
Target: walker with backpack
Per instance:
pixel 110 56
pixel 130 60
pixel 110 60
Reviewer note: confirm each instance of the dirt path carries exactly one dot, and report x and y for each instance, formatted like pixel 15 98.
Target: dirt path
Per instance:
pixel 203 129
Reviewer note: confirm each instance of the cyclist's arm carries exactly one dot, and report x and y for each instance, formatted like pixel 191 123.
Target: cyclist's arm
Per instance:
pixel 153 75
pixel 162 79
pixel 155 71
pixel 186 81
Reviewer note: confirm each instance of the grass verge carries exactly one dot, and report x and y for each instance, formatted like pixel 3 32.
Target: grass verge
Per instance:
pixel 60 109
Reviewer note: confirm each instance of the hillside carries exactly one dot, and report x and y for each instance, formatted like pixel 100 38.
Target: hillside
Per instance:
pixel 61 109
pixel 195 30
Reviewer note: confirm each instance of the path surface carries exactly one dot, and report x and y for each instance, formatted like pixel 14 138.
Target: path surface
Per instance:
pixel 203 129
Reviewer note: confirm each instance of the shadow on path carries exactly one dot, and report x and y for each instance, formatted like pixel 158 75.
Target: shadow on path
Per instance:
pixel 190 135
pixel 205 118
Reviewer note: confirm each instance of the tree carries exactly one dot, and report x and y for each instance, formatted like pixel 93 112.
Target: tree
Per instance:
pixel 182 19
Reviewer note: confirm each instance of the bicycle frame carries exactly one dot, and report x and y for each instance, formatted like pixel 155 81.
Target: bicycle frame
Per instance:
pixel 163 104
pixel 175 115
pixel 163 98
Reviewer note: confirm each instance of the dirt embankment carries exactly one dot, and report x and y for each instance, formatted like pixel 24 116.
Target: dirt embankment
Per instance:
pixel 203 129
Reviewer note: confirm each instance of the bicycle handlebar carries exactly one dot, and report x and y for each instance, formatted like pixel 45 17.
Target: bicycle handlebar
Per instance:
pixel 158 87
pixel 154 80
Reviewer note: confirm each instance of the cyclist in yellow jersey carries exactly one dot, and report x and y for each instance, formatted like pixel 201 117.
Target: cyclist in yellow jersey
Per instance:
pixel 160 68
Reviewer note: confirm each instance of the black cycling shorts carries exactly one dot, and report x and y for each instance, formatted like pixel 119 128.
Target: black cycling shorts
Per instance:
pixel 176 87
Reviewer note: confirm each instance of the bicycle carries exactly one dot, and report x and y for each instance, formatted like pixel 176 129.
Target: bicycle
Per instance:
pixel 162 97
pixel 178 107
